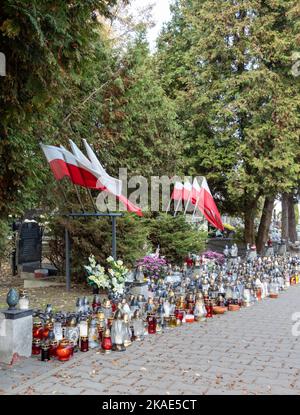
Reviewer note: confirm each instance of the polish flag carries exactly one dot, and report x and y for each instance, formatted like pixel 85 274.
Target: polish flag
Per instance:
pixel 112 184
pixel 196 192
pixel 105 182
pixel 80 174
pixel 207 206
pixel 56 160
pixel 177 193
pixel 130 207
pixel 187 191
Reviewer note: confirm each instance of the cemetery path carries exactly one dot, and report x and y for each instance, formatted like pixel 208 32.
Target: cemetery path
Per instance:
pixel 252 351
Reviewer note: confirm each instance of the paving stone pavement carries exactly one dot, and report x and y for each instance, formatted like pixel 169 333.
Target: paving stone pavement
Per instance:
pixel 251 351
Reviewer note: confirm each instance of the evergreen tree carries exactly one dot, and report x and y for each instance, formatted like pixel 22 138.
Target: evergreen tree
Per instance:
pixel 242 100
pixel 47 46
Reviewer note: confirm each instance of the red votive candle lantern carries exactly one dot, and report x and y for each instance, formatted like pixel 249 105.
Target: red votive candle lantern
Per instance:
pixel 106 342
pixel 63 351
pixel 209 310
pixel 84 344
pixel 53 347
pixel 179 314
pixel 37 331
pixel 151 324
pixel 36 347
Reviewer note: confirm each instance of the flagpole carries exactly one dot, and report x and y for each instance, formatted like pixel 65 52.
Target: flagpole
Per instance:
pixel 79 198
pixel 177 207
pixel 92 200
pixel 169 205
pixel 188 202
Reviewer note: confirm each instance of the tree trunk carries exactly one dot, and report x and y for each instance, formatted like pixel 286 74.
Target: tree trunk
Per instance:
pixel 249 218
pixel 284 217
pixel 265 222
pixel 292 219
pixel 249 234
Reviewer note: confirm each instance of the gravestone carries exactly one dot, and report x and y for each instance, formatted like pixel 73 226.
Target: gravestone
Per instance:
pixel 29 246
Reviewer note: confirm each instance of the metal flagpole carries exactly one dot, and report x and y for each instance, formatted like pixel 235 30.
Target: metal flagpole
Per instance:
pixel 188 202
pixel 177 207
pixel 92 200
pixel 169 205
pixel 78 197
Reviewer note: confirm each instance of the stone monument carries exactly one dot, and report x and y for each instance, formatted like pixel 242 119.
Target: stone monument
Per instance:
pixel 15 331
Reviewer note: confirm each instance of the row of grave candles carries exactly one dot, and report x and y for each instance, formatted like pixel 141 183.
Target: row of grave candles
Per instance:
pixel 113 325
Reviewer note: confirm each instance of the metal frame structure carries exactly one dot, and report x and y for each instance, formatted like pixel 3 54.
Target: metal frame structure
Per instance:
pixel 68 248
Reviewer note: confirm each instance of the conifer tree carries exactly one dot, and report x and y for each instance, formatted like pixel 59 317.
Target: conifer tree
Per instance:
pixel 240 105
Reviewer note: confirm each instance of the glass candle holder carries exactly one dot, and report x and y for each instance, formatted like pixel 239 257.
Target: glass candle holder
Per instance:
pixel 36 347
pixel 100 334
pixel 127 333
pixel 57 328
pixel 166 322
pixel 63 351
pixel 84 344
pixel 37 331
pixel 138 328
pixel 93 335
pixel 83 328
pixel 179 313
pixel 24 300
pixel 106 342
pixel 209 310
pixel 96 302
pixel 173 321
pixel 45 354
pixel 53 347
pixel 151 324
pixel 72 347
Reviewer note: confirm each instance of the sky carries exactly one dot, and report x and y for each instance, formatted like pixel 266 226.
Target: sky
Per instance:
pixel 161 14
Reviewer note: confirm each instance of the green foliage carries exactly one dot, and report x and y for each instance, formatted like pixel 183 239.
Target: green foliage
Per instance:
pixel 236 96
pixel 136 237
pixel 65 79
pixel 93 236
pixel 48 48
pixel 137 125
pixel 175 237
pixel 5 244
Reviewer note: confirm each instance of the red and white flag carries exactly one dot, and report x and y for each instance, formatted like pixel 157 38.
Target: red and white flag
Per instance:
pixel 130 207
pixel 177 193
pixel 207 206
pixel 64 164
pixel 196 192
pixel 112 184
pixel 187 191
pixel 81 172
pixel 56 161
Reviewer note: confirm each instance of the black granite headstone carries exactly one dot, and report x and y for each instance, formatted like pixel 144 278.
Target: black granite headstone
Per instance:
pixel 29 243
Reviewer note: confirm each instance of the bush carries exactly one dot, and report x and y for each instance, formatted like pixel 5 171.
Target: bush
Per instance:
pixel 93 236
pixel 176 237
pixel 136 237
